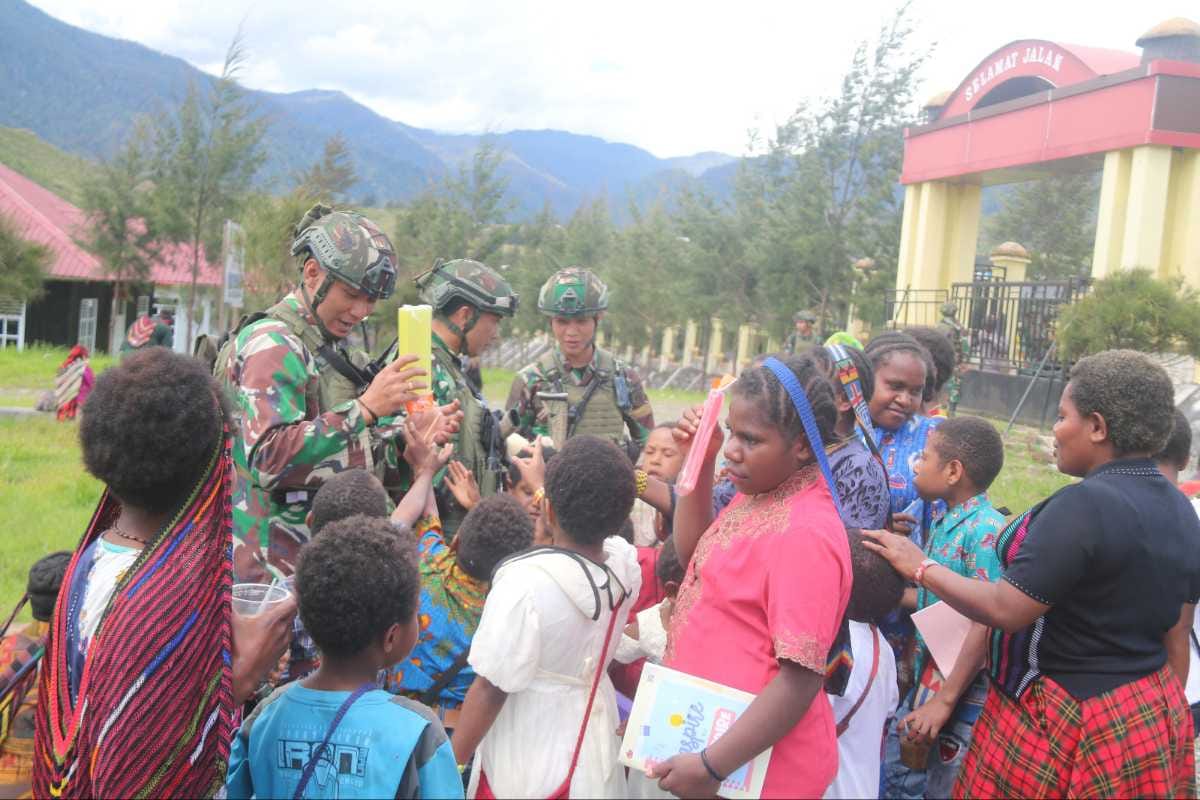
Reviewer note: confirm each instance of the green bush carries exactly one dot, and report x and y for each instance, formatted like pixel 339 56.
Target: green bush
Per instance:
pixel 1132 310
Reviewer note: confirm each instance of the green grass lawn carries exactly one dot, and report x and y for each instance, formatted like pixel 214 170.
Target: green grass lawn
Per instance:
pixel 46 498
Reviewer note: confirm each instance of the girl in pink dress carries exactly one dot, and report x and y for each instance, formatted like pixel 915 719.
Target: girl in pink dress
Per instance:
pixel 767 583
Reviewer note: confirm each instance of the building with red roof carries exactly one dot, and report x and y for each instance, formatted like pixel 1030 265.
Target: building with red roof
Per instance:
pixel 77 306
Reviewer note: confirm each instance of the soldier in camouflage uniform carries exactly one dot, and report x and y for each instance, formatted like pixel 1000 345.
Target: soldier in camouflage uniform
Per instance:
pixel 576 387
pixel 304 408
pixel 469 300
pixel 805 334
pixel 957 335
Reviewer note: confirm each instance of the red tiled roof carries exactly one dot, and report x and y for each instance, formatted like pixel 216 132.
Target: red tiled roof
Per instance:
pixel 41 216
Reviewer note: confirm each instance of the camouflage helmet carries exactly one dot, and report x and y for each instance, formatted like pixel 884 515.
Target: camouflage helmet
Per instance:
pixel 350 248
pixel 949 308
pixel 470 281
pixel 573 292
pixel 804 316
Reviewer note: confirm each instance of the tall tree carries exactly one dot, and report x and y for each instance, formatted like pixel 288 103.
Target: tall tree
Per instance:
pixel 120 228
pixel 1054 218
pixel 207 154
pixel 331 178
pixel 23 264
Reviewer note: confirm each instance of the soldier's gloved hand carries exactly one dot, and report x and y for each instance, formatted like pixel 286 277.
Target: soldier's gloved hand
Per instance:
pixel 395 385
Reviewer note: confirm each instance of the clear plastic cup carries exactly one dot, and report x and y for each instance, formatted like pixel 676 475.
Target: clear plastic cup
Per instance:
pixel 251 599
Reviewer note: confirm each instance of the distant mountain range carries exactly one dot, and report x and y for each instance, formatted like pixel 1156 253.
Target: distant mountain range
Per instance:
pixel 81 91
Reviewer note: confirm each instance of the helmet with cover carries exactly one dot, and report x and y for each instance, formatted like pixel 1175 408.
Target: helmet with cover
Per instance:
pixel 804 316
pixel 949 309
pixel 350 248
pixel 471 282
pixel 573 292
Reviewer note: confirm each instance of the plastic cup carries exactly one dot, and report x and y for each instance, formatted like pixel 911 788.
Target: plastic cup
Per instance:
pixel 914 753
pixel 251 599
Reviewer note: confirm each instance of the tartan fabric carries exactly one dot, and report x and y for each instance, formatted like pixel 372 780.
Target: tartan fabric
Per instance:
pixel 1134 741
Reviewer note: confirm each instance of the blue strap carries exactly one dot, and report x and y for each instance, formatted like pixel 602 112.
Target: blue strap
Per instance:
pixel 788 380
pixel 311 766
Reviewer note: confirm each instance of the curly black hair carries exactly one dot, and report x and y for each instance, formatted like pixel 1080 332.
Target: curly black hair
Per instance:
pixel 759 385
pixel 883 346
pixel 866 373
pixel 1178 450
pixel 151 426
pixel 491 532
pixel 667 568
pixel 45 579
pixel 941 351
pixel 591 488
pixel 355 581
pixel 877 587
pixel 973 442
pixel 350 492
pixel 1132 392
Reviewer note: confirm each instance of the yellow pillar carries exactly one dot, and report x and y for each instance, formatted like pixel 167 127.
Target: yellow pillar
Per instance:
pixel 690 333
pixel 742 357
pixel 666 355
pixel 1110 216
pixel 937 244
pixel 1182 239
pixel 1146 208
pixel 1013 258
pixel 716 352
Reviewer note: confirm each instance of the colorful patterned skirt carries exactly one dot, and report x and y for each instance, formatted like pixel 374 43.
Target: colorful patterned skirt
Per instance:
pixel 1133 741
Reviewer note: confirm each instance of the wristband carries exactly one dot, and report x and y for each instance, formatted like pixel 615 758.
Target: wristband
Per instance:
pixel 919 575
pixel 642 480
pixel 367 408
pixel 712 772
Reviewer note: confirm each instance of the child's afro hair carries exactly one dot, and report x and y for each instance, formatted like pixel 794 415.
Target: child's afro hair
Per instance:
pixel 45 579
pixel 877 587
pixel 1178 450
pixel 493 530
pixel 973 442
pixel 591 488
pixel 356 580
pixel 151 427
pixel 350 492
pixel 941 351
pixel 1133 394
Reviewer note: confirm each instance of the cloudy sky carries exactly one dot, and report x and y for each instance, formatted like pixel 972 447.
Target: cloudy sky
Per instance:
pixel 672 77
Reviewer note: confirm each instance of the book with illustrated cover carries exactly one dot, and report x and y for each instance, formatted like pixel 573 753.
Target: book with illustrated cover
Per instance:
pixel 675 713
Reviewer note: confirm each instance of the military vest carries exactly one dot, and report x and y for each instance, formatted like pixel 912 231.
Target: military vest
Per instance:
pixel 602 416
pixel 470 449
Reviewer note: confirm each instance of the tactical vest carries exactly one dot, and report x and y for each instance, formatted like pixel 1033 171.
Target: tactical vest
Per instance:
pixel 469 447
pixel 333 388
pixel 602 416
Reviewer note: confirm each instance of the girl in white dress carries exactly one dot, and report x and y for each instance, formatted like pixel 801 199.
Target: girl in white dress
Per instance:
pixel 541 642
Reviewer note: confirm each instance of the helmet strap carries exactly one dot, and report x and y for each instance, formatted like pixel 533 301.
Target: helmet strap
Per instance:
pixel 312 303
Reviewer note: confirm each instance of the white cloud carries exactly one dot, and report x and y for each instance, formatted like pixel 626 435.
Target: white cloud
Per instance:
pixel 668 76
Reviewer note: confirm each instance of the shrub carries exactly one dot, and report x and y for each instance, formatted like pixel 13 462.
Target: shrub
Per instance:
pixel 1132 310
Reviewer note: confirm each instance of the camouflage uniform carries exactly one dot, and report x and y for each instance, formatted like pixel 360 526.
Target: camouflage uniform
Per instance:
pixel 957 335
pixel 616 406
pixel 297 419
pixel 477 444
pixel 797 342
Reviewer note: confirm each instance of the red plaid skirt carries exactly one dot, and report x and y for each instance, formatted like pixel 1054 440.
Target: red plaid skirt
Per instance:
pixel 1134 741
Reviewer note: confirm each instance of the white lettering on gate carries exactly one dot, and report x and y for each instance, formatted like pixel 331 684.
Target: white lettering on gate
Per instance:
pixel 1035 54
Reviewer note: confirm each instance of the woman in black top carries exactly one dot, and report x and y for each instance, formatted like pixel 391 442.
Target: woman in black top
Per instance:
pixel 1100 582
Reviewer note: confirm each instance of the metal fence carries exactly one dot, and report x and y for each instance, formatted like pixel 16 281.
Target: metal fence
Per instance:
pixel 1010 325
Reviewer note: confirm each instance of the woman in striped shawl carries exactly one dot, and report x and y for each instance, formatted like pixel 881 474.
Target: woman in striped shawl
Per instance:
pixel 143 669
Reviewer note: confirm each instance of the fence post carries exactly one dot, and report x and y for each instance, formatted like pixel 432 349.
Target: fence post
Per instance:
pixel 690 333
pixel 716 352
pixel 744 340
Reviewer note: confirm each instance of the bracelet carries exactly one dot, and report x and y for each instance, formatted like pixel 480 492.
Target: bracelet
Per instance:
pixel 919 575
pixel 642 480
pixel 712 772
pixel 367 408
